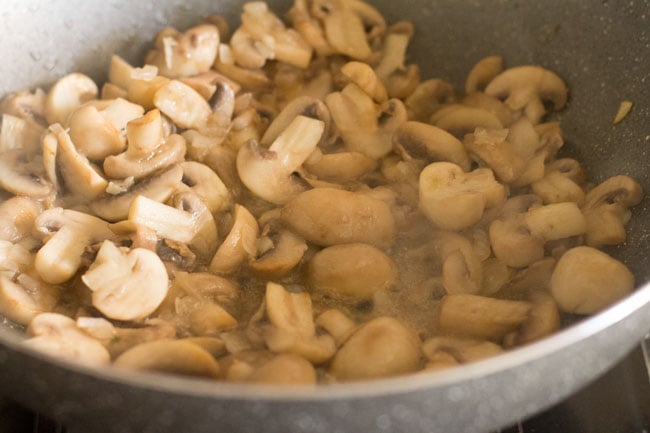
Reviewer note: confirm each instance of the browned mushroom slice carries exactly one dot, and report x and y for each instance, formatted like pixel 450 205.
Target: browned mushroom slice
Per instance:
pixel 482 73
pixel 340 167
pixel 382 347
pixel 239 245
pixel 283 252
pixel 159 188
pixel 459 119
pixel 427 98
pixel 327 216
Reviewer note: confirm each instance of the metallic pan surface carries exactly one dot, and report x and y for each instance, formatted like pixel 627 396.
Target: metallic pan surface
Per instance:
pixel 601 48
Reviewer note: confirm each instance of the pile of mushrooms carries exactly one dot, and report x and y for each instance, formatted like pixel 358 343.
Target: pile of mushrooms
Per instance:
pixel 290 203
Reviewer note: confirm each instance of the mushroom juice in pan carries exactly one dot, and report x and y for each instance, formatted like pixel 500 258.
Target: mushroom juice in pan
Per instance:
pixel 292 203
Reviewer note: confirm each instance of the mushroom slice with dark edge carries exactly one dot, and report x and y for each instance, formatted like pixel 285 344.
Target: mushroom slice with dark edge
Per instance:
pixel 279 251
pixel 158 187
pixel 269 173
pixel 606 209
pixel 59 336
pixel 526 87
pixel 148 150
pixel 79 176
pixel 66 233
pixel 126 285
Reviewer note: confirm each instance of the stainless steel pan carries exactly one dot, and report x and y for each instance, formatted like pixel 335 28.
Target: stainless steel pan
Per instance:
pixel 601 48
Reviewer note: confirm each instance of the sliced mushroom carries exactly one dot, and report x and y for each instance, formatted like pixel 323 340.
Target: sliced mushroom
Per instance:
pixel 337 324
pixel 190 222
pixel 183 55
pixel 364 76
pixel 382 347
pixel 427 98
pixel 458 119
pixel 606 210
pixel 21 302
pixel 126 338
pixel 144 85
pixel 20 175
pixel 453 199
pixel 97 132
pixel 309 28
pixel 587 280
pixel 489 103
pixel 431 143
pixel 126 285
pixel 394 49
pixel 301 106
pixel 206 285
pixel 484 71
pixel 365 128
pixel 293 329
pixel 286 45
pixel 526 87
pixel 543 319
pixel 68 94
pixel 239 245
pixel 205 183
pixel 184 105
pixel 556 221
pixel 59 336
pixel 480 316
pixel 461 267
pixel 557 184
pixel 463 350
pixel 351 271
pixel 67 233
pixel 158 187
pixel 17 215
pixel 170 356
pixel 18 133
pixel 514 244
pixel 148 150
pixel 344 28
pixel 210 318
pixel 268 173
pixel 340 167
pixel 79 176
pixel 284 252
pixel 29 106
pixel 493 148
pixel 285 369
pixel 328 216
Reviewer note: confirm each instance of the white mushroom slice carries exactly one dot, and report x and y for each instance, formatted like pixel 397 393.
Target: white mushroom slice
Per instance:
pixel 309 28
pixel 20 175
pixel 182 104
pixel 67 233
pixel 493 148
pixel 586 280
pixel 431 143
pixel 351 271
pixel 15 302
pixel 287 45
pixel 427 98
pixel 268 173
pixel 210 318
pixel 459 119
pixel 158 187
pixel 513 243
pixel 363 76
pixel 525 87
pixel 461 267
pixel 249 52
pixel 67 94
pixel 556 221
pixel 126 338
pixel 293 329
pixel 190 226
pixel 26 105
pixel 187 54
pixel 302 106
pixel 59 336
pixel 206 285
pixel 382 347
pixel 339 167
pixel 285 369
pixel 18 133
pixel 281 256
pixel 14 259
pixel 204 182
pixel 480 317
pixel 462 349
pixel 453 199
pixel 94 135
pixel 80 178
pixel 394 50
pixel 239 245
pixel 328 216
pixel 543 319
pixel 97 327
pixel 344 29
pixel 148 150
pixel 557 185
pixel 120 72
pixel 17 215
pixel 482 73
pixel 363 126
pixel 126 285
pixel 170 356
pixel 607 211
pixel 337 324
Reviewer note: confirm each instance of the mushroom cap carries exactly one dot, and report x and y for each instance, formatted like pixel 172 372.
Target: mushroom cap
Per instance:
pixel 126 285
pixel 67 94
pixel 586 280
pixel 328 216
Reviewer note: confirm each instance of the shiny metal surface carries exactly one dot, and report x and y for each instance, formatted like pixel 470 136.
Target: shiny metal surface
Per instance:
pixel 599 48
